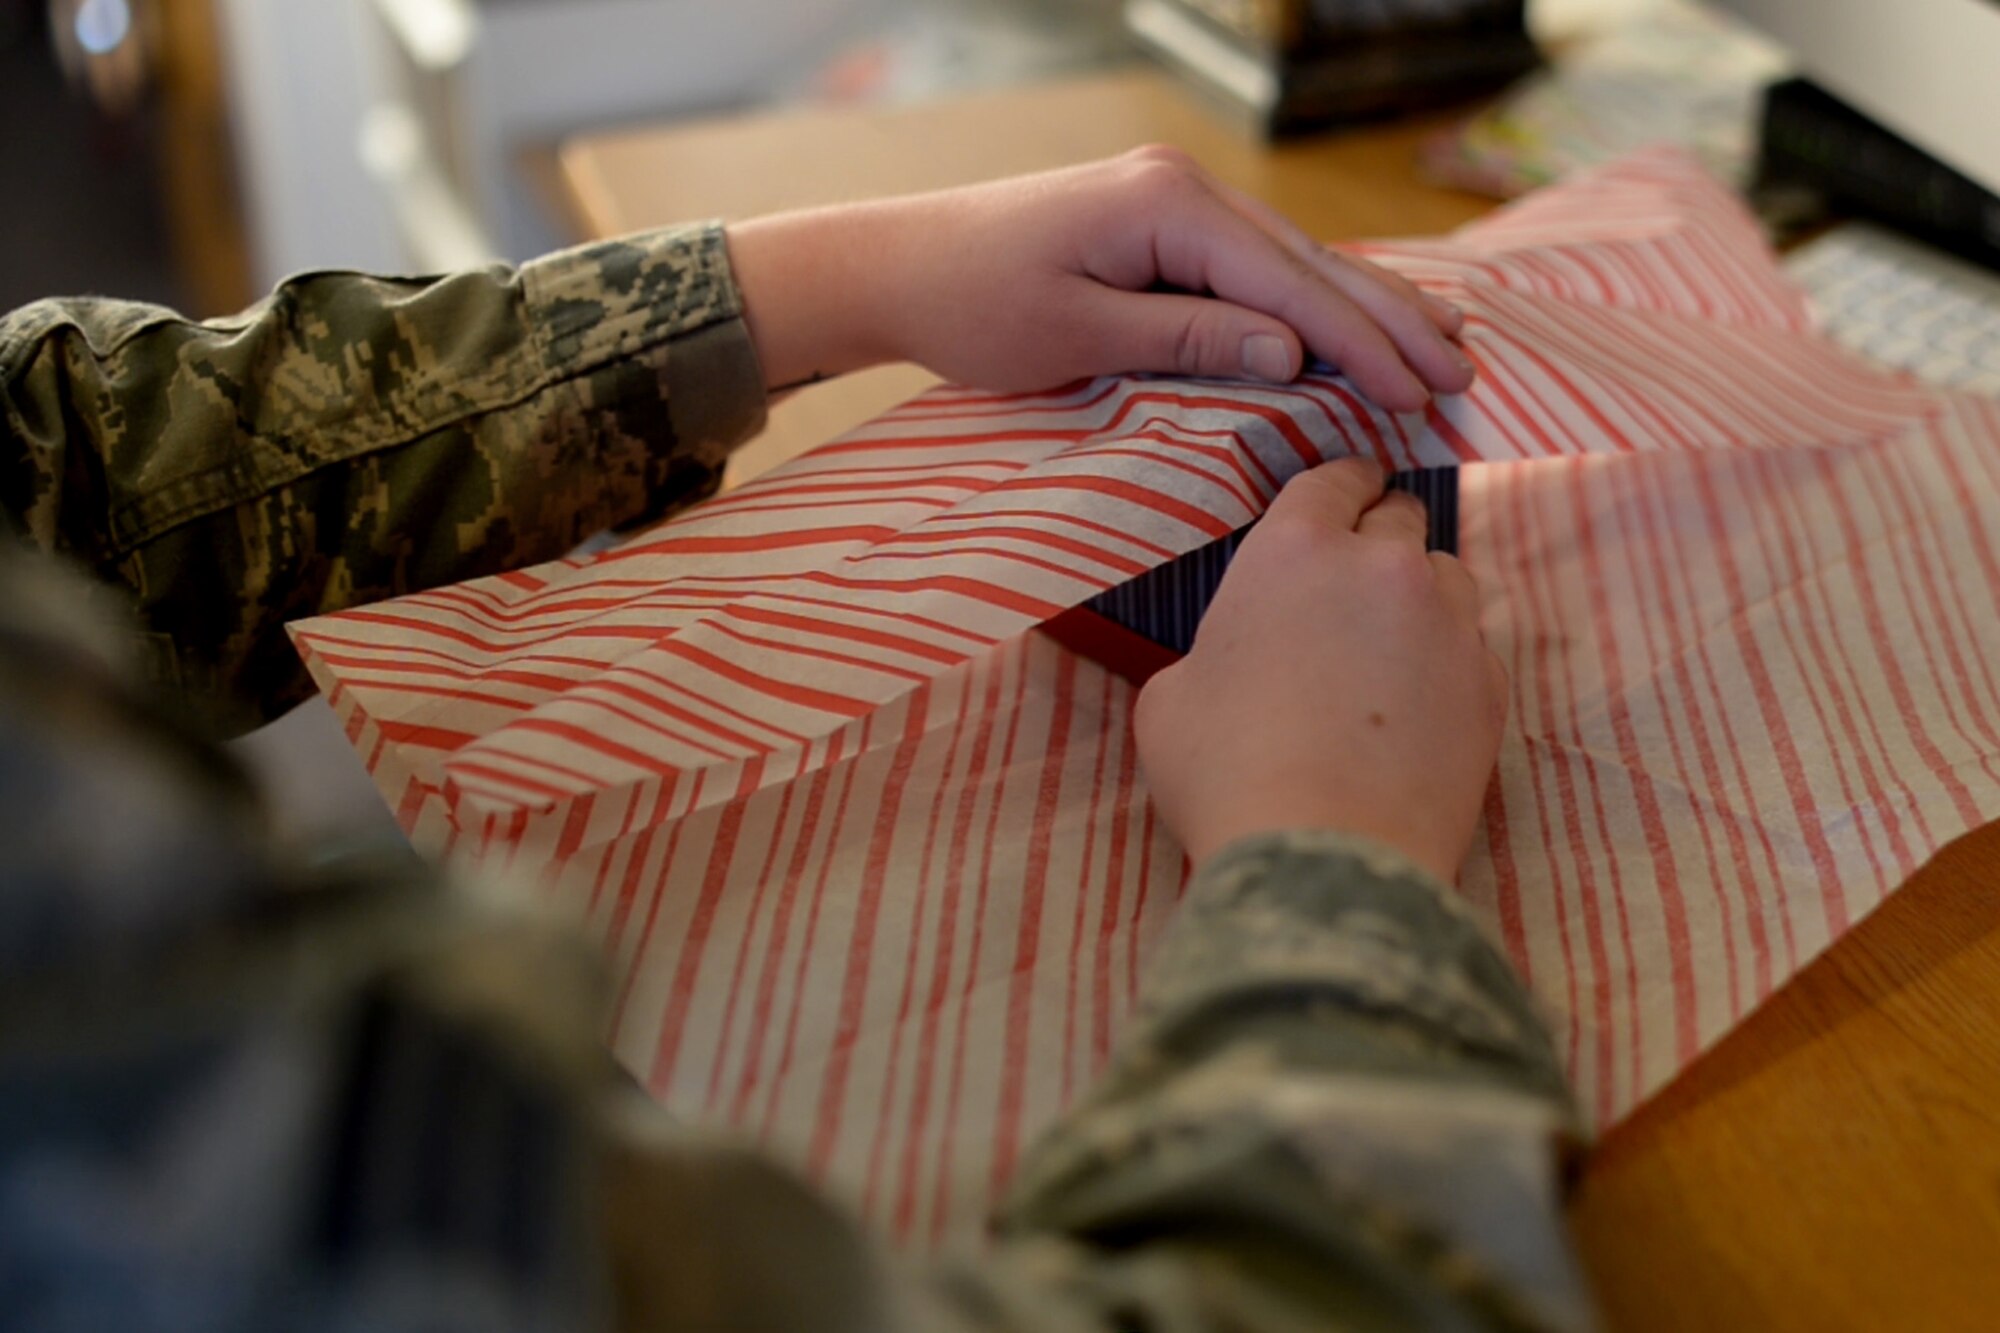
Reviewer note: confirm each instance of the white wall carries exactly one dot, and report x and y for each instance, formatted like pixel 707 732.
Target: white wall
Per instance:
pixel 304 74
pixel 1559 20
pixel 1928 69
pixel 298 87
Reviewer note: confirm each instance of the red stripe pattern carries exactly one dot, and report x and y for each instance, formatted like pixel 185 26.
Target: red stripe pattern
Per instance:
pixel 1752 694
pixel 875 867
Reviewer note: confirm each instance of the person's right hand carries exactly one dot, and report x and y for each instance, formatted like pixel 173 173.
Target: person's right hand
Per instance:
pixel 1339 681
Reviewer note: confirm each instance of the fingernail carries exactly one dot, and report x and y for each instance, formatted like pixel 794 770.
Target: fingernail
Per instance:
pixel 1266 357
pixel 1463 362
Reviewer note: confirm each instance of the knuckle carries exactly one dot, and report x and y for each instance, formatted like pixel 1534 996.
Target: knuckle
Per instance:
pixel 1448 565
pixel 1307 501
pixel 1187 347
pixel 1401 568
pixel 1355 479
pixel 1164 154
pixel 1309 498
pixel 1196 348
pixel 1292 535
pixel 1409 510
pixel 1167 175
pixel 1381 273
pixel 1389 278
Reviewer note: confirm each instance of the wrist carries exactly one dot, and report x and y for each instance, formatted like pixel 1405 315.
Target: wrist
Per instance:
pixel 812 298
pixel 1378 829
pixel 1378 859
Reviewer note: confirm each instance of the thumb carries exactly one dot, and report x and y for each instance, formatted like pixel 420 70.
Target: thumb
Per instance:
pixel 1175 334
pixel 1329 498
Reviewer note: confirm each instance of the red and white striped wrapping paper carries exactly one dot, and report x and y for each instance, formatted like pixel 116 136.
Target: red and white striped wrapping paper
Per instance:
pixel 875 866
pixel 1752 693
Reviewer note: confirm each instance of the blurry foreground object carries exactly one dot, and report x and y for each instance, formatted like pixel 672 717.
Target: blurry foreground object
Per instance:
pixel 1296 64
pixel 219 1069
pixel 106 47
pixel 1677 75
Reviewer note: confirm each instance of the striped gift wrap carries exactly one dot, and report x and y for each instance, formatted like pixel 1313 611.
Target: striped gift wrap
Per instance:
pixel 872 860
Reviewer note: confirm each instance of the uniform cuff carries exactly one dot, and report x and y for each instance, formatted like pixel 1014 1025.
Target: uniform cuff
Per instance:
pixel 1358 926
pixel 669 297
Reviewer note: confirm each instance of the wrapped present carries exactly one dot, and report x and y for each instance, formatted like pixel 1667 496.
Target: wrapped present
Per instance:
pixel 872 859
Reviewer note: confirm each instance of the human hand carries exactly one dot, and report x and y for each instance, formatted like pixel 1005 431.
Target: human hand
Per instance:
pixel 1032 282
pixel 1338 681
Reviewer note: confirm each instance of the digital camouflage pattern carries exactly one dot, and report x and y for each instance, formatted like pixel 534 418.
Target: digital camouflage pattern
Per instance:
pixel 353 438
pixel 242 1090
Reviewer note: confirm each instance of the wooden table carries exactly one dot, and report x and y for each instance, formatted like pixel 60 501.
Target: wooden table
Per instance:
pixel 1835 1162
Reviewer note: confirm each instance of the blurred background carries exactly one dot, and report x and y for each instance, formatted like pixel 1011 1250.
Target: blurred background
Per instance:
pixel 195 151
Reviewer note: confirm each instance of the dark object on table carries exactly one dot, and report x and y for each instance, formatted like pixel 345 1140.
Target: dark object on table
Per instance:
pixel 1141 626
pixel 1817 146
pixel 1299 64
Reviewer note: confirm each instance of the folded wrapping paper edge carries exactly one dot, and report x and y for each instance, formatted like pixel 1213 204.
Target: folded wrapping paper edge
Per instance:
pixel 1692 201
pixel 552 840
pixel 570 574
pixel 1774 410
pixel 1654 381
pixel 1670 174
pixel 484 811
pixel 416 804
pixel 1654 203
pixel 1283 447
pixel 712 783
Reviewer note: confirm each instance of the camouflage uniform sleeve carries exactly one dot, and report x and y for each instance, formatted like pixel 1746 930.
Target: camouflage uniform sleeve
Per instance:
pixel 1337 1109
pixel 263 1095
pixel 352 438
pixel 240 1092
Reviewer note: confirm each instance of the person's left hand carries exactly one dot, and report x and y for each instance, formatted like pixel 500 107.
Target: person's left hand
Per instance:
pixel 1033 282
